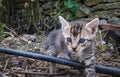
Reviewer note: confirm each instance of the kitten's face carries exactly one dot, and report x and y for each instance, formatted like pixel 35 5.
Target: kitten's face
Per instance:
pixel 77 35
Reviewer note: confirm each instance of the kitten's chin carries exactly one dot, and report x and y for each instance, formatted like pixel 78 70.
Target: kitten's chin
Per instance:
pixel 74 51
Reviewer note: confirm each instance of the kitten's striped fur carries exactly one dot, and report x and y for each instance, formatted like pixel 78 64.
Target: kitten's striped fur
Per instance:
pixel 75 39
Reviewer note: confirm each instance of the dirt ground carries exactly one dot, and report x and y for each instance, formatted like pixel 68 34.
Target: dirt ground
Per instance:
pixel 17 66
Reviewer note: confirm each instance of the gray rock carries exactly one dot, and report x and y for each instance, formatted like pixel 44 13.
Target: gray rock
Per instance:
pixel 110 0
pixel 80 14
pixel 85 19
pixel 85 9
pixel 105 14
pixel 100 14
pixel 106 6
pixel 92 2
pixel 117 12
pixel 103 21
pixel 29 37
pixel 114 20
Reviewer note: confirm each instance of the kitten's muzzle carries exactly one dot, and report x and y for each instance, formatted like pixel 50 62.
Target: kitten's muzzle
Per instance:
pixel 74 49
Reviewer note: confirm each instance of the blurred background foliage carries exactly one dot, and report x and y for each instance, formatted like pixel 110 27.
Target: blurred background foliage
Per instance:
pixel 36 16
pixel 1 31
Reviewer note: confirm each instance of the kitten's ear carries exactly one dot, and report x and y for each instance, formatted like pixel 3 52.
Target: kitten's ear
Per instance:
pixel 92 25
pixel 63 22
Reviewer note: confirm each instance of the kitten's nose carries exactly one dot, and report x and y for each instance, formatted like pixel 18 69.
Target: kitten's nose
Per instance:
pixel 74 48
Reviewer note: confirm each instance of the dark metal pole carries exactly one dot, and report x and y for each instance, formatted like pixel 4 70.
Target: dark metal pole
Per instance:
pixel 99 69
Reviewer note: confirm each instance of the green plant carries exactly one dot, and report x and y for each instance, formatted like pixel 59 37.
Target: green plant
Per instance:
pixel 0 3
pixel 99 41
pixel 1 31
pixel 72 5
pixel 105 42
pixel 32 14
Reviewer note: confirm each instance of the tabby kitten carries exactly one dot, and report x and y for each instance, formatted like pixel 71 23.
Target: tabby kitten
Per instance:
pixel 76 40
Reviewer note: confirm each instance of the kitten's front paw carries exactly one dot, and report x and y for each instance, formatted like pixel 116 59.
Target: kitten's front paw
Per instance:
pixel 89 72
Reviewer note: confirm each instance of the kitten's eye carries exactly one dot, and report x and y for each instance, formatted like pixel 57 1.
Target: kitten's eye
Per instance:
pixel 69 39
pixel 82 40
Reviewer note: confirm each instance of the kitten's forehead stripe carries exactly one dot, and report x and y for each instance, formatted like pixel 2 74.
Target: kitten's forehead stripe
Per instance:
pixel 76 28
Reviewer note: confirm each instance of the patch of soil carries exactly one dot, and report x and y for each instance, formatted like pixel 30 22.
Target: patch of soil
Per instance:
pixel 17 66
